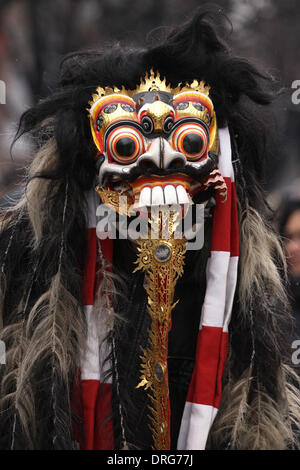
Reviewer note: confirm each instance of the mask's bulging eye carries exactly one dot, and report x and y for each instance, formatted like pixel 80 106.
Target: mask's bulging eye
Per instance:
pixel 168 124
pixel 192 144
pixel 125 145
pixel 147 125
pixel 191 140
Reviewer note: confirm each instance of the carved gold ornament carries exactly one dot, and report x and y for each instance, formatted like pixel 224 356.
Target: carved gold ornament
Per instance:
pixel 162 260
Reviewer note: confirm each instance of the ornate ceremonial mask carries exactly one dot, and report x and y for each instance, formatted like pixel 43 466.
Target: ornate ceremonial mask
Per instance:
pixel 149 308
pixel 159 148
pixel 157 145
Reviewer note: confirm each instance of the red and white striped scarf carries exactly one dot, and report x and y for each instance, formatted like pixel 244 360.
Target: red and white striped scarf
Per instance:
pixel 205 389
pixel 206 385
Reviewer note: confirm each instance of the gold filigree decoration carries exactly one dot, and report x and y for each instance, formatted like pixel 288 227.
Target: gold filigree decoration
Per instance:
pixel 107 91
pixel 191 111
pixel 158 111
pixel 120 202
pixel 162 260
pixel 201 87
pixel 152 81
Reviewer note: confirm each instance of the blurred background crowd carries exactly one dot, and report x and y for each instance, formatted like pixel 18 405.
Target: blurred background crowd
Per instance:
pixel 35 34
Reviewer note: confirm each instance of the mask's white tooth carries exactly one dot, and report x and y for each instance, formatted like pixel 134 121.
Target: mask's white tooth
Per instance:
pixel 170 195
pixel 182 195
pixel 157 196
pixel 145 197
